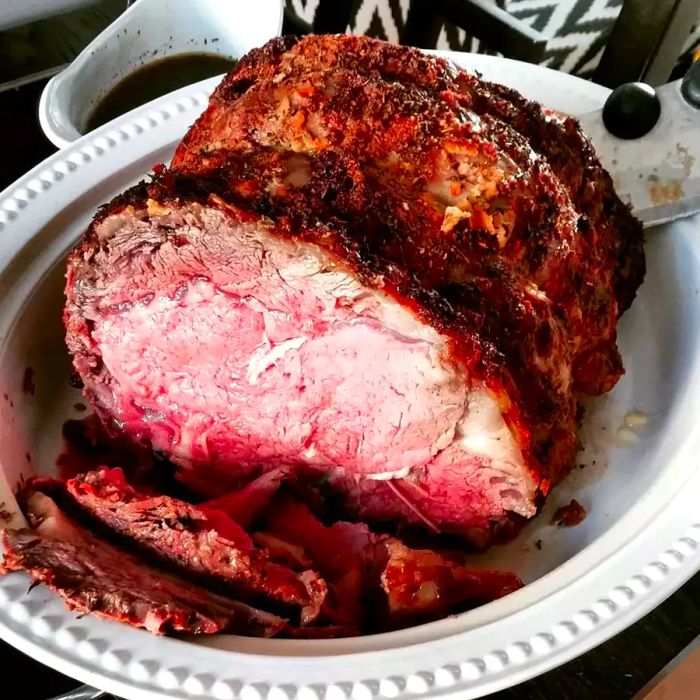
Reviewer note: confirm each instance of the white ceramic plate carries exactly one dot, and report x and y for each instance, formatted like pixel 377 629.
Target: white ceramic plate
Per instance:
pixel 639 542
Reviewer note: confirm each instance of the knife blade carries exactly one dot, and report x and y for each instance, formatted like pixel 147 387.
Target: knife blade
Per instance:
pixel 658 172
pixel 678 680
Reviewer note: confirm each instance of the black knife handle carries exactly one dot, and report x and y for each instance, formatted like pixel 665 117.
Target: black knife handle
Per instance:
pixel 631 110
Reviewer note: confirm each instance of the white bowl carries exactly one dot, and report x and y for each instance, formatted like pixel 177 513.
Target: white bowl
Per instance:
pixel 150 30
pixel 640 541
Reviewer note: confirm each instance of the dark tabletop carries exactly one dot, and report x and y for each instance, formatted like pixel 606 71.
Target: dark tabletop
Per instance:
pixel 614 671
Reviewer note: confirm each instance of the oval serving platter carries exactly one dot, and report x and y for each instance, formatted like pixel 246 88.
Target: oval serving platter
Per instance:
pixel 640 541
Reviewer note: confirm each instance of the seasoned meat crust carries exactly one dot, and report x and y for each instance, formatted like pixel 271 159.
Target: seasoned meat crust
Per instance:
pixel 461 247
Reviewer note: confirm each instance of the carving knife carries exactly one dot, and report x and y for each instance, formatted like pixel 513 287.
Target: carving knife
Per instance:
pixel 678 680
pixel 649 141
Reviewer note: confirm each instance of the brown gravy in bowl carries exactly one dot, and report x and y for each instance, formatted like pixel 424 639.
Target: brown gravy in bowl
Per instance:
pixel 154 80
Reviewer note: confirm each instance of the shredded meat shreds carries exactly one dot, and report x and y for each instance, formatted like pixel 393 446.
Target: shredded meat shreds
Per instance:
pixel 422 582
pixel 280 550
pixel 344 553
pixel 358 563
pixel 93 575
pixel 201 541
pixel 248 503
pixel 333 548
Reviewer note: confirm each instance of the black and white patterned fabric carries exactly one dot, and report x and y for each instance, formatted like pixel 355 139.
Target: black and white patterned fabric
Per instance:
pixel 577 30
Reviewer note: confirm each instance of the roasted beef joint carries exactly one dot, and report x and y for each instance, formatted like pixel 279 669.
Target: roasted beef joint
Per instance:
pixel 366 265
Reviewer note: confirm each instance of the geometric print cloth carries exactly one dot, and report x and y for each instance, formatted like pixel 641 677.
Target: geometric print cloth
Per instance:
pixel 577 30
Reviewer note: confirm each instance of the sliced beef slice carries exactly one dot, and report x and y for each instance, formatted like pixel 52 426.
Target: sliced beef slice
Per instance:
pixel 93 575
pixel 197 540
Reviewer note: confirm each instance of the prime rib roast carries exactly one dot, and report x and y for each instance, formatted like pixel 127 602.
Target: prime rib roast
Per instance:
pixel 376 274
